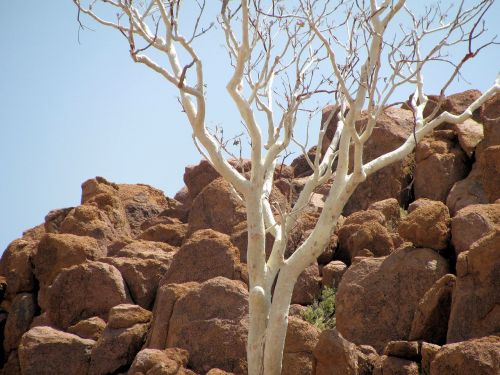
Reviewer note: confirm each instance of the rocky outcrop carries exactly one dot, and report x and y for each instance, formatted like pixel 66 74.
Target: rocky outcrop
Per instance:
pixel 301 339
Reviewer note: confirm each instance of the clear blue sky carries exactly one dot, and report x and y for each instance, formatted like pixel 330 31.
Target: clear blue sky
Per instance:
pixel 70 111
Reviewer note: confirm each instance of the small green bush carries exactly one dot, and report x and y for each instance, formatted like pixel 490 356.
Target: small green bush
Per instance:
pixel 322 312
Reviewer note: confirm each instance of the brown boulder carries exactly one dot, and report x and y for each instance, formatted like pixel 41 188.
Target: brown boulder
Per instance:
pixel 364 230
pixel 21 314
pixel 428 352
pixel 467 191
pixel 197 177
pixel 332 274
pixel 54 219
pixel 308 286
pixel 90 328
pixel 86 290
pixel 469 133
pixel 214 334
pixel 216 208
pixel 427 226
pixel 430 323
pixel 59 251
pixel 205 255
pixel 480 356
pixel 47 351
pixel 16 266
pixel 160 362
pixel 126 315
pixel 395 366
pixel 172 234
pixel 473 223
pixel 491 173
pixel 403 349
pixel 391 210
pixel 365 308
pixel 440 162
pixel 239 238
pixel 301 339
pixel 476 295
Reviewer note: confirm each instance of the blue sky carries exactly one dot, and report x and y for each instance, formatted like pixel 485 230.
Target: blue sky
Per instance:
pixel 71 111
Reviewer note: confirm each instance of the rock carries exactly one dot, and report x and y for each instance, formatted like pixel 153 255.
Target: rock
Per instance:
pixel 473 223
pixel 11 365
pixel 117 348
pixel 300 165
pixel 172 234
pixel 239 238
pixel 428 352
pixel 467 191
pixel 216 208
pixel 142 265
pixel 469 133
pixel 403 349
pixel 141 202
pixel 395 366
pixel 15 265
pixel 308 286
pixel 301 339
pixel 214 334
pixel 390 209
pixel 45 350
pixel 476 296
pixel 54 219
pixel 197 177
pixel 457 103
pixel 90 328
pixel 335 355
pixel 427 226
pixel 205 255
pixel 364 230
pixel 480 356
pixel 440 162
pixel 86 290
pixel 21 314
pixel 491 173
pixel 296 310
pixel 332 273
pixel 154 361
pixel 59 251
pixel 365 308
pixel 216 371
pixel 126 315
pixel 430 322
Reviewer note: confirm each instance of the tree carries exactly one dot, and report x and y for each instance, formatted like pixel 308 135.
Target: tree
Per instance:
pixel 357 54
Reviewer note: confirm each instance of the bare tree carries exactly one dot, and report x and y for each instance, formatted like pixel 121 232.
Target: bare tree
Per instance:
pixel 356 54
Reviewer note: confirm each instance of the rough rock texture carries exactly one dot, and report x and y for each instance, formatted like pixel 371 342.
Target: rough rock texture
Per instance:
pixel 205 255
pixel 100 287
pixel 47 351
pixel 308 286
pixel 366 312
pixel 126 315
pixel 469 134
pixel 166 362
pixel 395 366
pixel 403 349
pixel 58 251
pixel 239 238
pixel 301 339
pixel 428 352
pixel 427 226
pixel 391 210
pixel 172 234
pixel 213 333
pixel 491 172
pixel 15 265
pixel 440 162
pixel 430 323
pixel 90 328
pixel 364 230
pixel 473 223
pixel 480 356
pixel 332 273
pixel 475 308
pixel 467 191
pixel 20 316
pixel 216 207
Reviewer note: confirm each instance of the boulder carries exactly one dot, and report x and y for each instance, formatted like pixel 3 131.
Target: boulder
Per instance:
pixel 90 328
pixel 153 361
pixel 403 349
pixel 364 230
pixel 86 290
pixel 59 251
pixel 308 286
pixel 217 208
pixel 391 210
pixel 332 274
pixel 430 323
pixel 440 162
pixel 427 226
pixel 21 314
pixel 491 173
pixel 197 177
pixel 301 339
pixel 479 356
pixel 172 234
pixel 395 366
pixel 365 308
pixel 473 223
pixel 205 255
pixel 469 133
pixel 214 334
pixel 467 192
pixel 300 164
pixel 239 238
pixel 475 302
pixel 16 267
pixel 428 352
pixel 45 350
pixel 126 315
pixel 54 219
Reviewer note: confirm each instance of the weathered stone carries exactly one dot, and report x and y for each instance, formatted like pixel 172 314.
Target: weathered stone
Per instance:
pixel 161 362
pixel 126 315
pixel 403 349
pixel 395 366
pixel 15 265
pixel 308 286
pixel 335 355
pixel 467 192
pixel 172 234
pixel 469 133
pixel 90 328
pixel 239 238
pixel 21 314
pixel 301 339
pixel 391 210
pixel 491 173
pixel 428 352
pixel 54 219
pixel 332 273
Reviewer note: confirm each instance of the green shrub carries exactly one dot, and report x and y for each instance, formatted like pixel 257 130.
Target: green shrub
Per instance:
pixel 322 312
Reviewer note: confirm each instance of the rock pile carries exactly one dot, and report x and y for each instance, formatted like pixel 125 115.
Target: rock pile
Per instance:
pixel 134 282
